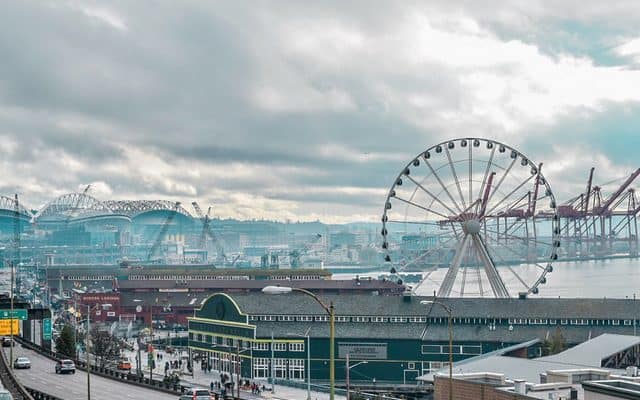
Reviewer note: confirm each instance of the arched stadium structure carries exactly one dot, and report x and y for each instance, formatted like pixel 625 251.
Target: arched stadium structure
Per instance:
pixel 77 228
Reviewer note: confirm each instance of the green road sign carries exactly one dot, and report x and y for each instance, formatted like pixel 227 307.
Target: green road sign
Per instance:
pixel 46 329
pixel 17 314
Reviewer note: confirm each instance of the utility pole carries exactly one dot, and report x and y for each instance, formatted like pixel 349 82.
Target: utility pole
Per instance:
pixel 88 359
pixel 238 365
pixel 16 243
pixel 273 375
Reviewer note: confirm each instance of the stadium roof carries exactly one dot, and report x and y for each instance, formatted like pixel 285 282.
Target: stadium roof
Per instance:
pixel 72 206
pixel 134 208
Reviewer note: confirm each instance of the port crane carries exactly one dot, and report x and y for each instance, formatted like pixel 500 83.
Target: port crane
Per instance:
pixel 163 231
pixel 207 231
pixel 273 258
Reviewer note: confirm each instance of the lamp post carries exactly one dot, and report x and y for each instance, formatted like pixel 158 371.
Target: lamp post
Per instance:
pixel 329 309
pixel 449 313
pixel 150 359
pixel 306 336
pixel 348 368
pixel 88 339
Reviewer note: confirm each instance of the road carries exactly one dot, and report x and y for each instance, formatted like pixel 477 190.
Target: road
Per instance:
pixel 42 377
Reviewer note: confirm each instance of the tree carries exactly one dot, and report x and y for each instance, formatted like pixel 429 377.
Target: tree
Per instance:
pixel 65 343
pixel 104 346
pixel 555 344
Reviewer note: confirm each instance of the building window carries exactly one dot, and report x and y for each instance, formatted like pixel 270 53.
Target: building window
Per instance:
pixel 418 319
pixel 361 319
pixel 208 338
pixel 615 322
pixel 563 322
pixel 627 322
pixel 431 349
pixel 279 347
pixel 287 318
pixel 304 318
pixel 296 346
pixel 268 318
pixel 280 368
pixel 397 319
pixel 342 319
pixel 260 367
pixel 199 337
pixel 472 350
pixel 262 346
pixel 254 318
pixel 378 319
pixel 296 369
pixel 322 318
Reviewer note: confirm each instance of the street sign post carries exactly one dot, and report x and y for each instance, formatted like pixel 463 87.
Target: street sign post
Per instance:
pixel 46 329
pixel 17 314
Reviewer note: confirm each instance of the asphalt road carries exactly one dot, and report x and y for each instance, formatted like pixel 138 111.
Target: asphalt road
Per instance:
pixel 42 377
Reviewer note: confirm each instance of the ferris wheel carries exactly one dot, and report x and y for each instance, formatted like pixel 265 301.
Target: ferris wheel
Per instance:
pixel 475 217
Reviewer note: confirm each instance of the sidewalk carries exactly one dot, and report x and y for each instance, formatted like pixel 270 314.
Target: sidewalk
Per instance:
pixel 200 378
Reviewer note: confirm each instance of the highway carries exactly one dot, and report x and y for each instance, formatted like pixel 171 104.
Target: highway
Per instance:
pixel 42 377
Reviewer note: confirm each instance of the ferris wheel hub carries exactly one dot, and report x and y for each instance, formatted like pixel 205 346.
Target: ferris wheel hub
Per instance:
pixel 471 227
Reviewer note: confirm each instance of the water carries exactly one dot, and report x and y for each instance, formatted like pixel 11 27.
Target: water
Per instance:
pixel 615 278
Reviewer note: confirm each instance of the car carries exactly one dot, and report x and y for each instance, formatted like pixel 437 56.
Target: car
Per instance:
pixel 22 363
pixel 195 394
pixel 7 342
pixel 5 394
pixel 65 367
pixel 124 364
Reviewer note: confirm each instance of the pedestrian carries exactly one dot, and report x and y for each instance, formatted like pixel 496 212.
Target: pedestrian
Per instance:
pixel 209 368
pixel 211 386
pixel 166 367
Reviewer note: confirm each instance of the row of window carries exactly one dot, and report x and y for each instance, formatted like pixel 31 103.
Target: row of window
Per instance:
pixel 296 278
pixel 88 277
pixel 440 320
pixel 444 349
pixel 189 277
pixel 233 343
pixel 338 318
pixel 543 321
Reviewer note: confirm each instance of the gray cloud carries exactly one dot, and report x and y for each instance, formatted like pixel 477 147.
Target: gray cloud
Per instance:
pixel 293 109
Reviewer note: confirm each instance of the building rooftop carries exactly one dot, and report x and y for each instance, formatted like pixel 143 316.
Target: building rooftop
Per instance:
pixel 592 352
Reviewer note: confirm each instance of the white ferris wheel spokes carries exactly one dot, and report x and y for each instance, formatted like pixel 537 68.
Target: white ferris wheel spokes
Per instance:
pixel 476 217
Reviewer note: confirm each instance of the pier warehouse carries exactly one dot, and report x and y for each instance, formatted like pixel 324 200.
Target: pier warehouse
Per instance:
pixel 400 338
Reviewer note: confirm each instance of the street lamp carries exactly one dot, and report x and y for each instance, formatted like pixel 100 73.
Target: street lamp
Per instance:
pixel 150 359
pixel 348 368
pixel 332 330
pixel 449 313
pixel 306 335
pixel 88 339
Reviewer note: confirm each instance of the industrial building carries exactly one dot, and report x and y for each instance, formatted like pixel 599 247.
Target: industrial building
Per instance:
pixel 400 338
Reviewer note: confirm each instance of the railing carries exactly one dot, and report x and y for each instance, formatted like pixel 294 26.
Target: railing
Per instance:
pixel 125 377
pixel 9 380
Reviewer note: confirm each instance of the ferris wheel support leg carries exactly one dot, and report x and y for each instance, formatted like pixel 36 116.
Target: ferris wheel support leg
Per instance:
pixel 452 272
pixel 497 285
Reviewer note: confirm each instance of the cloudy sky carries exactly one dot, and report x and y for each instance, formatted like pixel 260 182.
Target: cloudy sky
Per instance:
pixel 306 110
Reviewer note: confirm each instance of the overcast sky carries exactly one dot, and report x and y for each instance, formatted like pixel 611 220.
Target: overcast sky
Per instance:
pixel 305 110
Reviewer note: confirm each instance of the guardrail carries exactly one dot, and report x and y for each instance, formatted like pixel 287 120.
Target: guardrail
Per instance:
pixel 124 377
pixel 38 395
pixel 9 380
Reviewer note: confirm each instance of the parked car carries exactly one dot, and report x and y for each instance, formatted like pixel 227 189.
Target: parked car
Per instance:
pixel 7 342
pixel 65 367
pixel 5 394
pixel 195 394
pixel 124 364
pixel 22 363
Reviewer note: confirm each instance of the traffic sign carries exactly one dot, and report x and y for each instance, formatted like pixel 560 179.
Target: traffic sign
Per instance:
pixel 17 314
pixel 46 329
pixel 5 327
